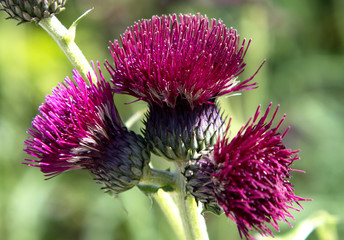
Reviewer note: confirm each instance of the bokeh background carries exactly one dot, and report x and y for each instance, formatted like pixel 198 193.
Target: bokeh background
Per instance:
pixel 303 43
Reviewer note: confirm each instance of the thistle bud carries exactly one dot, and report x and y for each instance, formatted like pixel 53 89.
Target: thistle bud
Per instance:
pixel 32 10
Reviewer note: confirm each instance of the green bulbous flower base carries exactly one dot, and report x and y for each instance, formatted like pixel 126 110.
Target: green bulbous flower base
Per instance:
pixel 32 10
pixel 123 163
pixel 200 184
pixel 183 133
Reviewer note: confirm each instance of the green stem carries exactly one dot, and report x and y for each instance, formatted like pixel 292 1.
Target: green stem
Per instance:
pixel 193 221
pixel 65 39
pixel 181 210
pixel 158 179
pixel 153 182
pixel 171 211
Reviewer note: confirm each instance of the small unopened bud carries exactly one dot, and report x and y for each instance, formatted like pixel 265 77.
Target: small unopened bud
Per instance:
pixel 32 10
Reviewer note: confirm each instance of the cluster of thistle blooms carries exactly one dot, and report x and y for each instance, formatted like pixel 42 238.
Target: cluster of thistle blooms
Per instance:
pixel 178 65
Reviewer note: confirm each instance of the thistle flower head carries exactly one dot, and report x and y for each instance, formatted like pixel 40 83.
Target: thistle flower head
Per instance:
pixel 190 57
pixel 249 176
pixel 32 10
pixel 79 127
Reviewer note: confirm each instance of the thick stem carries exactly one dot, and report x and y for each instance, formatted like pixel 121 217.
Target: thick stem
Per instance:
pixel 153 182
pixel 171 211
pixel 65 40
pixel 193 222
pixel 158 179
pixel 181 210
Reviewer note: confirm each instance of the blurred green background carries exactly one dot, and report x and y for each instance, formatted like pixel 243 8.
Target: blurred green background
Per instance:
pixel 303 43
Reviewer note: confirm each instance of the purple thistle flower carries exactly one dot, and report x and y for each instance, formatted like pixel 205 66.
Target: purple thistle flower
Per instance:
pixel 79 127
pixel 162 59
pixel 180 65
pixel 248 176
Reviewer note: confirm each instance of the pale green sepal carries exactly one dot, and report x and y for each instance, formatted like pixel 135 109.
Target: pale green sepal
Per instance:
pixel 70 36
pixel 212 209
